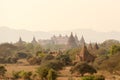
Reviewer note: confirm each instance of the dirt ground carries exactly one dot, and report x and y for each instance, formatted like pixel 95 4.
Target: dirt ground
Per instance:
pixel 14 67
pixel 64 74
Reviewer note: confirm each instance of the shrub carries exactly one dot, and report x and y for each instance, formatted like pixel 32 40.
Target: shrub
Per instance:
pixel 111 64
pixel 22 74
pixel 2 70
pixel 10 60
pixel 47 58
pixel 99 60
pixel 16 74
pixel 99 77
pixel 41 55
pixel 114 49
pixel 21 55
pixel 96 77
pixel 88 78
pixel 72 52
pixel 83 68
pixel 42 72
pixel 54 64
pixel 65 59
pixel 52 75
pixel 34 60
pixel 48 69
pixel 25 75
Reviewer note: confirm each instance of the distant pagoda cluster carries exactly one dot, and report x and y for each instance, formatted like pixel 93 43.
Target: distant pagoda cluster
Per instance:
pixel 85 53
pixel 59 39
pixel 70 42
pixel 21 42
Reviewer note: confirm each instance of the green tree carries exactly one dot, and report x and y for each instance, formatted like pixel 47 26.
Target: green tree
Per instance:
pixel 25 75
pixel 83 68
pixel 47 58
pixel 92 77
pixel 54 64
pixel 34 60
pixel 15 75
pixel 21 55
pixel 65 59
pixel 22 74
pixel 52 75
pixel 42 72
pixel 2 71
pixel 114 49
pixel 48 67
pixel 112 64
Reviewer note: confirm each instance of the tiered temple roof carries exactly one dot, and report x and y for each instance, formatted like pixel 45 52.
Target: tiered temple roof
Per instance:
pixel 96 47
pixel 72 41
pixel 84 55
pixel 20 42
pixel 90 46
pixel 34 41
pixel 82 41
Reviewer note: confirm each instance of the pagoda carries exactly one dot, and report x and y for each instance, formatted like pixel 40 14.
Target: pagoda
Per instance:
pixel 90 46
pixel 71 41
pixel 82 41
pixel 84 55
pixel 96 47
pixel 34 41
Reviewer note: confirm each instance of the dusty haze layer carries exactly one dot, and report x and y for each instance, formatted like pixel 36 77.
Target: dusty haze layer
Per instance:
pixel 12 35
pixel 60 15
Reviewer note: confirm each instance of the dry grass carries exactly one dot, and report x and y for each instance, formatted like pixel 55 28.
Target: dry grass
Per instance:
pixel 14 67
pixel 64 74
pixel 22 65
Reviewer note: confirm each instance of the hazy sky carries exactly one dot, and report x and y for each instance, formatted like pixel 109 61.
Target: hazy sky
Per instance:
pixel 47 15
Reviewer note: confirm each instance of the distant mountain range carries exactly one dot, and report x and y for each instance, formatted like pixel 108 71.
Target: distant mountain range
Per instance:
pixel 12 35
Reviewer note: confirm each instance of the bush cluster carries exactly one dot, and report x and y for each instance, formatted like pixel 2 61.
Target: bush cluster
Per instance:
pixel 96 77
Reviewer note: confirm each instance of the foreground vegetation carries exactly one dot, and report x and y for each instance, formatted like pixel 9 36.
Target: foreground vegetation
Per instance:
pixel 51 63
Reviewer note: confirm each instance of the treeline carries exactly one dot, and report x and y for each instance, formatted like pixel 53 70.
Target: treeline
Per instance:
pixel 52 61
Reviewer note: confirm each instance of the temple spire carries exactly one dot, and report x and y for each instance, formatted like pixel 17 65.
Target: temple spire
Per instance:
pixel 85 55
pixel 20 40
pixel 76 39
pixel 34 40
pixel 96 47
pixel 90 46
pixel 71 41
pixel 82 41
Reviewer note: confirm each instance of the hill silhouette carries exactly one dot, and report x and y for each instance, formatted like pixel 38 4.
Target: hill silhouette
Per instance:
pixel 12 35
